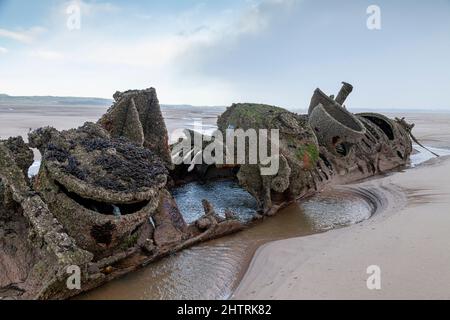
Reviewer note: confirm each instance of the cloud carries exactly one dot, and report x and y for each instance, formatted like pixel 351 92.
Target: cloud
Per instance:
pixel 92 8
pixel 17 36
pixel 47 54
pixel 196 31
pixel 3 50
pixel 231 25
pixel 259 15
pixel 97 7
pixel 170 42
pixel 27 36
pixel 167 53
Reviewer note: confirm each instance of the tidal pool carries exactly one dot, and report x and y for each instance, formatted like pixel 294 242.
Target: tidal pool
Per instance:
pixel 212 270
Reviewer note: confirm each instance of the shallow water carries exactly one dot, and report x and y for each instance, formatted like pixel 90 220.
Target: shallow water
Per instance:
pixel 211 270
pixel 225 195
pixel 422 155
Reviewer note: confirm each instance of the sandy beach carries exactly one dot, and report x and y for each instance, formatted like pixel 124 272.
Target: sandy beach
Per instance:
pixel 409 240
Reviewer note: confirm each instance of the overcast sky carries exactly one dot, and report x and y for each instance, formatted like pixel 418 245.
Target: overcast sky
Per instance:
pixel 215 52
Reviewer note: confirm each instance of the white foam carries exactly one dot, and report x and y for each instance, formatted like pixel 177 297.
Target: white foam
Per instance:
pixel 424 155
pixel 34 169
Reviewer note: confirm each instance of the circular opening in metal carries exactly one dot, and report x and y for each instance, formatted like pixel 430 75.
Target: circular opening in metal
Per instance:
pixel 343 117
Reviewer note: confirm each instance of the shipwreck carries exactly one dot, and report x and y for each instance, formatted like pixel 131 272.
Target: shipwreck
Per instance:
pixel 102 199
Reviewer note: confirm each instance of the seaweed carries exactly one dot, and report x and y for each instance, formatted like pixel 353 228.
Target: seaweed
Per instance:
pixel 109 184
pixel 95 144
pixel 73 168
pixel 137 174
pixel 56 153
pixel 310 150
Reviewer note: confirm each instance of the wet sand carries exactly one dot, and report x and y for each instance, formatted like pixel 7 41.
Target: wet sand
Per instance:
pixel 19 120
pixel 433 129
pixel 212 270
pixel 409 240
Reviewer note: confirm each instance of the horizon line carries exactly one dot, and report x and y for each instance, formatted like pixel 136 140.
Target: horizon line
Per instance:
pixel 385 108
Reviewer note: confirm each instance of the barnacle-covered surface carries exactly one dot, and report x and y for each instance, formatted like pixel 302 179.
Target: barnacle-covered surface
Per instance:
pixel 136 115
pixel 298 151
pixel 35 249
pixel 90 163
pixel 329 145
pixel 99 203
pixel 109 186
pixel 22 155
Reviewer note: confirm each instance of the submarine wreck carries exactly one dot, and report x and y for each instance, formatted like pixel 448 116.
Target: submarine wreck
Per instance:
pixel 102 200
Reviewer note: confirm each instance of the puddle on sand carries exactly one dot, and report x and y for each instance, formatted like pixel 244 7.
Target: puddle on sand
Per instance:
pixel 211 270
pixel 422 155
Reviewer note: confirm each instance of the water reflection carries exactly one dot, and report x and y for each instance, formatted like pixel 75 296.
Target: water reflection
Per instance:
pixel 226 195
pixel 211 270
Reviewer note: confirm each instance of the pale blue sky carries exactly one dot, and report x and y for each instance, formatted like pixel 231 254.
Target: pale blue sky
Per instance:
pixel 215 52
